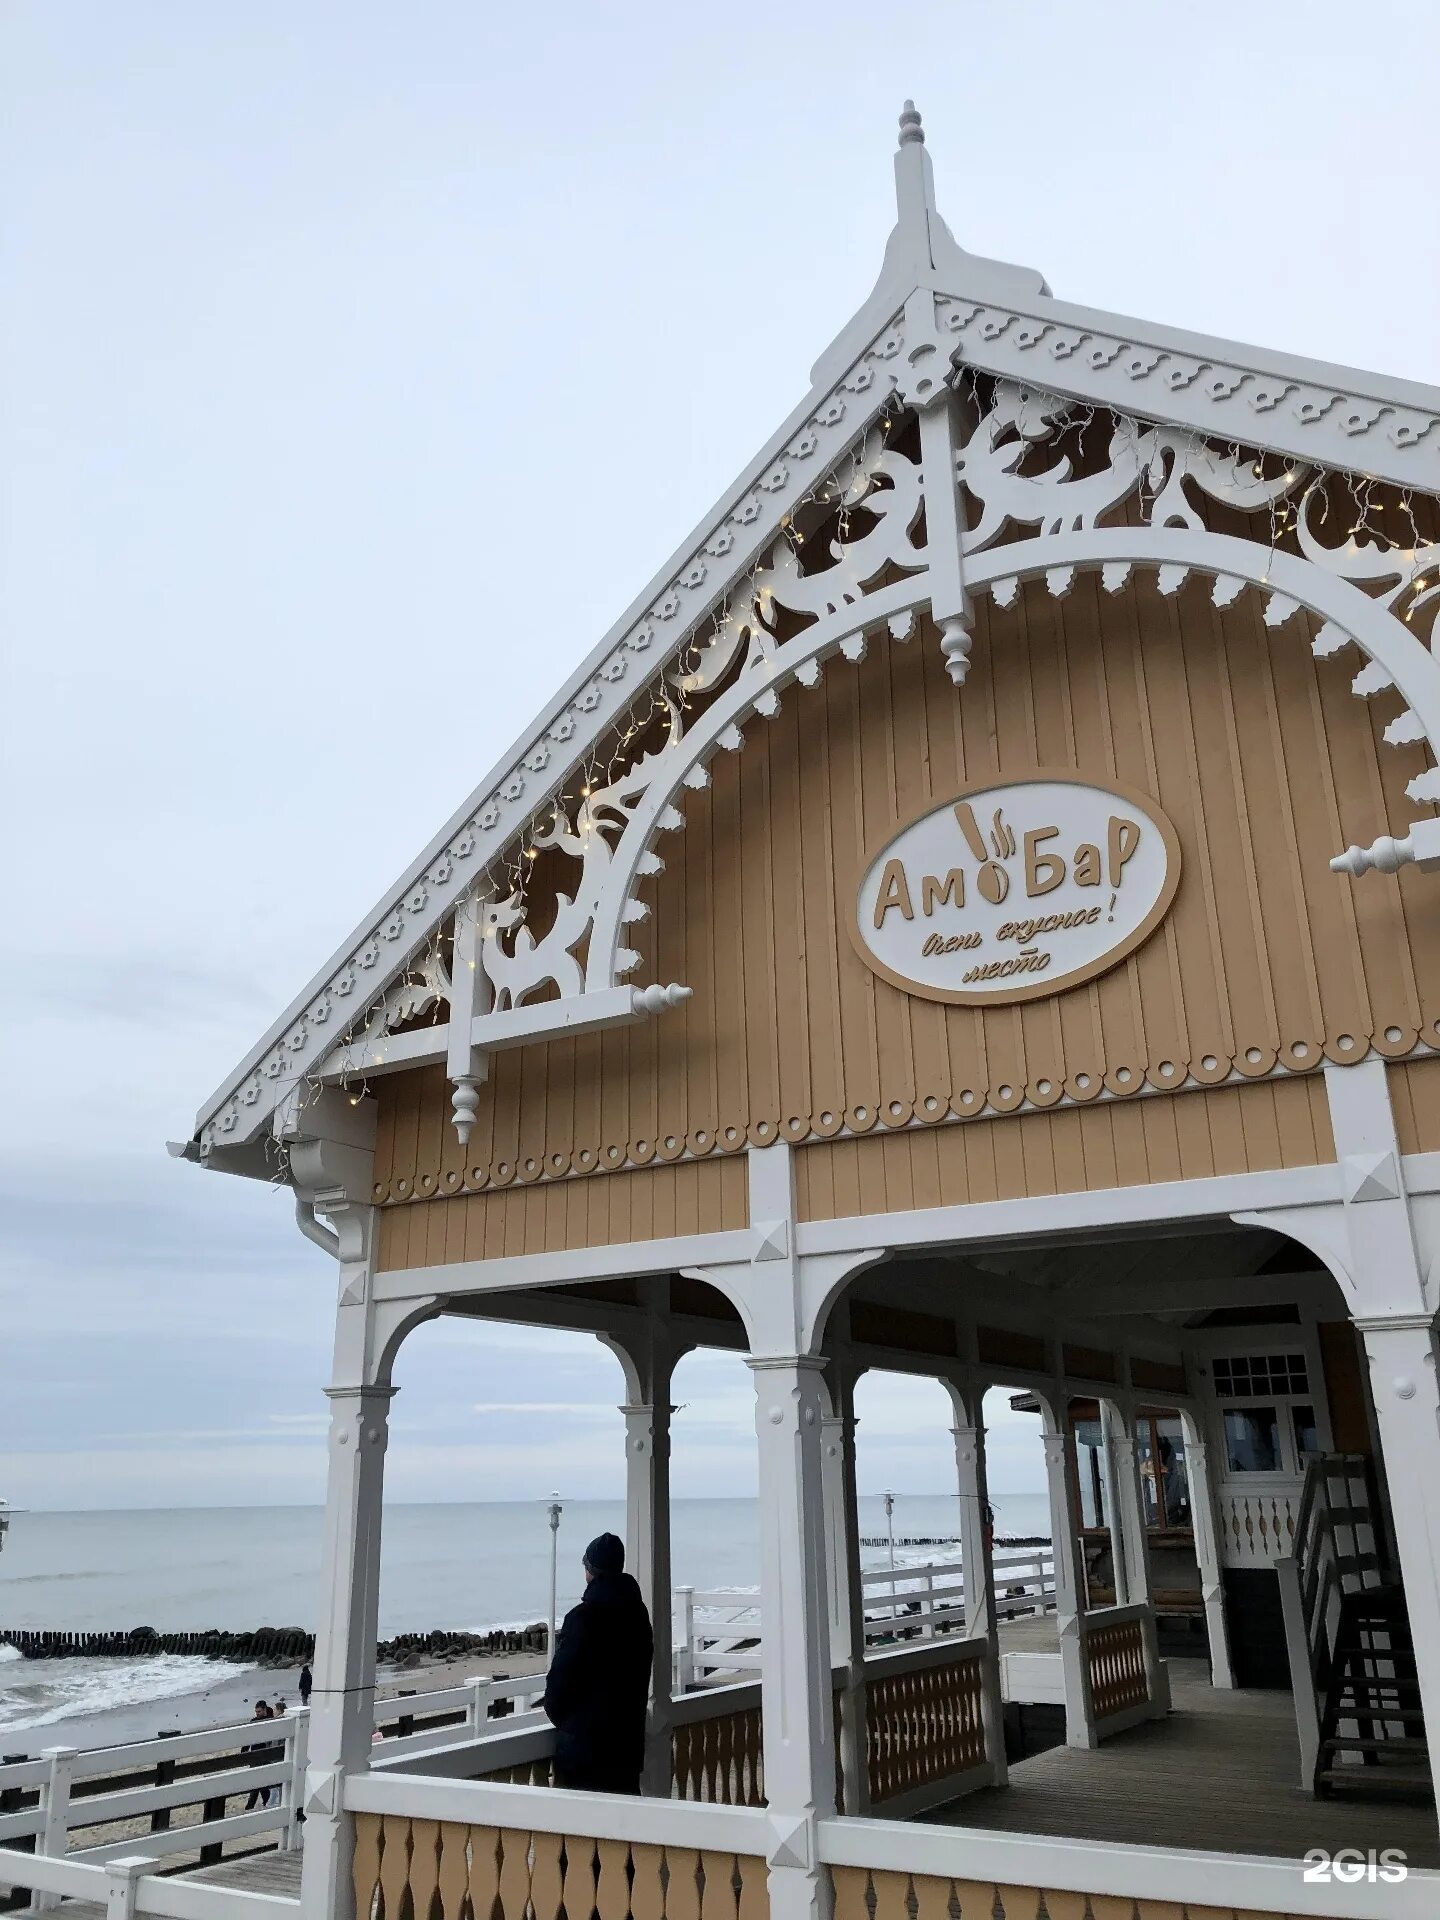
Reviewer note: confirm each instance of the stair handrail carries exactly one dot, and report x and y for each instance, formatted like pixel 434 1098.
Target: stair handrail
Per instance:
pixel 1315 1576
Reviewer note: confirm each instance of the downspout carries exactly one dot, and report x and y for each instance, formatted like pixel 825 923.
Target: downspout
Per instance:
pixel 323 1237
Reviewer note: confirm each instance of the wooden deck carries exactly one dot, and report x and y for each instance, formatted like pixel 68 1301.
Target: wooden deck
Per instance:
pixel 1219 1773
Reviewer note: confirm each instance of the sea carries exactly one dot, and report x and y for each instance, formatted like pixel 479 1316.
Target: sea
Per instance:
pixel 460 1567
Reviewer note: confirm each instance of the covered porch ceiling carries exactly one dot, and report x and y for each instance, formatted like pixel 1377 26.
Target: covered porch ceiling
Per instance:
pixel 1138 1289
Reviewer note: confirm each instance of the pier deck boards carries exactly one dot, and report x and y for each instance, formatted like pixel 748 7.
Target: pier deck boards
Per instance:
pixel 1221 1772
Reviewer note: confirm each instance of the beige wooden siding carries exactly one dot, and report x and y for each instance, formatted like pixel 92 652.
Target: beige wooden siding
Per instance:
pixel 1415 1097
pixel 1262 757
pixel 648 1203
pixel 1116 1143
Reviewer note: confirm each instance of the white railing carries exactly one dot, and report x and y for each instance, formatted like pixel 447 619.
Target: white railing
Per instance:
pixel 719 1631
pixel 126 1888
pixel 58 1817
pixel 929 1746
pixel 1129 1878
pixel 60 1813
pixel 457 1714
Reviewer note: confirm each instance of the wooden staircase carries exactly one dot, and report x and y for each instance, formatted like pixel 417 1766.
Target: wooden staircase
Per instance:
pixel 1352 1660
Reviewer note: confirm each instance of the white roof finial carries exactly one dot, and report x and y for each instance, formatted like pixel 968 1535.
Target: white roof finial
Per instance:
pixel 921 252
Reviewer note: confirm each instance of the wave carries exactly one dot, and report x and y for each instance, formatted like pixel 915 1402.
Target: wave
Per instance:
pixel 7 1652
pixel 64 1689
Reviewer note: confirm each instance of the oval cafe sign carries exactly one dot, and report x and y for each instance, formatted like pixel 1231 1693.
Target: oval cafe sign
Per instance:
pixel 1017 889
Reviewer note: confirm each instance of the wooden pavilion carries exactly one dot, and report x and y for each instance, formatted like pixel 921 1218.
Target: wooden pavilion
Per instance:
pixel 972 915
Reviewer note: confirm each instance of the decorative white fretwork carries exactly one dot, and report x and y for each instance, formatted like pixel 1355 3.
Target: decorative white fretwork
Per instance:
pixel 1163 476
pixel 875 505
pixel 421 989
pixel 1048 477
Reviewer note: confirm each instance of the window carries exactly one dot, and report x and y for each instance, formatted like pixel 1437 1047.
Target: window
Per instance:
pixel 1267 1412
pixel 1164 1476
pixel 1090 1476
pixel 1252 1440
pixel 1243 1376
pixel 1307 1434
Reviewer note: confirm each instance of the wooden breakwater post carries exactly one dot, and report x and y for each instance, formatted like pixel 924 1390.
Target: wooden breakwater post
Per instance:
pixel 269 1645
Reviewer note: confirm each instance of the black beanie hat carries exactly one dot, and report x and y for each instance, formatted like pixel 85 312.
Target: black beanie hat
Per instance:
pixel 606 1554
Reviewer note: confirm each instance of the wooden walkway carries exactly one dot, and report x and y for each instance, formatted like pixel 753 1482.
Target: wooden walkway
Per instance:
pixel 1220 1773
pixel 269 1872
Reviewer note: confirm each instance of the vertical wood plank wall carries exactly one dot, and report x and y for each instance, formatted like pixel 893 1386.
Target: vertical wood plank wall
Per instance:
pixel 647 1203
pixel 1415 1097
pixel 1239 1129
pixel 1263 758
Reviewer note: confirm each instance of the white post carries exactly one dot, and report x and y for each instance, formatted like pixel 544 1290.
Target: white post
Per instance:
pixel 832 1467
pixel 844 1586
pixel 342 1704
pixel 647 1548
pixel 331 1162
pixel 1403 1376
pixel 977 1567
pixel 297 1760
pixel 685 1651
pixel 647 1357
pixel 1302 1679
pixel 1393 1309
pixel 1207 1551
pixel 1112 1504
pixel 797 1705
pixel 1138 1585
pixel 120 1891
pixel 54 1836
pixel 477 1707
pixel 1069 1602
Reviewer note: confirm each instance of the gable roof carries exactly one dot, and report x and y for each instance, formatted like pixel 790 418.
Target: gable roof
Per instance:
pixel 1003 321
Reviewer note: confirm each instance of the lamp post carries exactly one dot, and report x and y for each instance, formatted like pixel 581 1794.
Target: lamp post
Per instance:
pixel 890 1529
pixel 555 1510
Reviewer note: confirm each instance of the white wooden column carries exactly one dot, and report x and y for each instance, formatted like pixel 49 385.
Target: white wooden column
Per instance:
pixel 1207 1550
pixel 790 1406
pixel 646 1353
pixel 977 1563
pixel 1402 1354
pixel 785 1301
pixel 1393 1307
pixel 342 1704
pixel 1139 1585
pixel 844 1586
pixel 1110 1480
pixel 647 1555
pixel 1069 1593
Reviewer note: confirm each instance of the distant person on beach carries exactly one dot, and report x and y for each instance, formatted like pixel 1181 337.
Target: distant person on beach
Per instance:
pixel 599 1680
pixel 272 1794
pixel 307 1681
pixel 258 1758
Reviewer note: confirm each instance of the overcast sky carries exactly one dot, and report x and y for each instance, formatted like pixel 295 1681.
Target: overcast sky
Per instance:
pixel 361 363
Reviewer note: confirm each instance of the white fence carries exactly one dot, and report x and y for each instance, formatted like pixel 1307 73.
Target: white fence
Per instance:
pixel 77 1793
pixel 719 1631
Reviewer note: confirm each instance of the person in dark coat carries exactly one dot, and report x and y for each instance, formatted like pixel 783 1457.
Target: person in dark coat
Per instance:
pixel 599 1680
pixel 259 1756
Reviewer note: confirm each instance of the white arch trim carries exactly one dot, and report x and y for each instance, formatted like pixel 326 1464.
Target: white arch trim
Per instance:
pixel 1290 582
